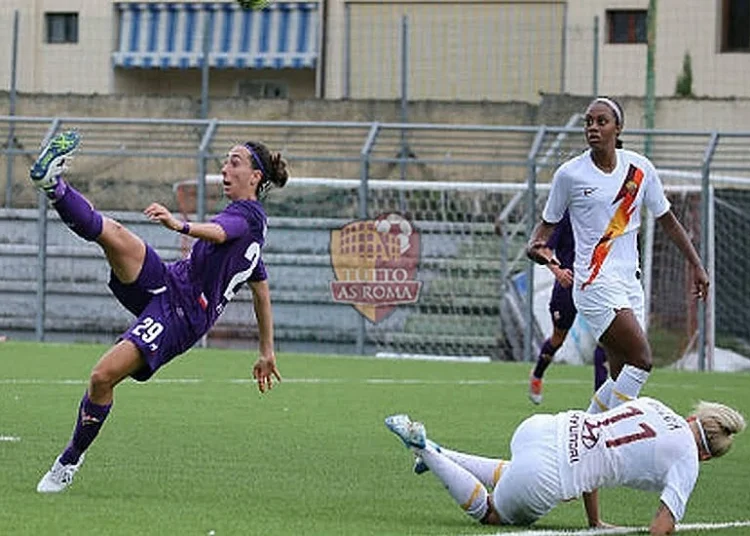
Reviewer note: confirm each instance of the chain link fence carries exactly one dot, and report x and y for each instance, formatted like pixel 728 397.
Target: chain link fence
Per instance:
pixel 452 186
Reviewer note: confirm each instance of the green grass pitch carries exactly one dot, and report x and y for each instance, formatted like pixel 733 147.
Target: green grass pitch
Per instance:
pixel 199 451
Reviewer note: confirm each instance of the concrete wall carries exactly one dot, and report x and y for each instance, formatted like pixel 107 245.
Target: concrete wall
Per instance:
pixel 728 114
pixel 300 83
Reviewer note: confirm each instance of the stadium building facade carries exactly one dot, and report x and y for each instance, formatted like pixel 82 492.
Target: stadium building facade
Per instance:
pixel 491 50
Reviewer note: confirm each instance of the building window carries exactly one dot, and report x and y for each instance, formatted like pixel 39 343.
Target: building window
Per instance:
pixel 627 26
pixel 735 26
pixel 263 89
pixel 61 27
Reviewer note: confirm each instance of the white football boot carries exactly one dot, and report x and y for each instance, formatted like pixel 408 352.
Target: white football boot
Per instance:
pixel 58 477
pixel 411 433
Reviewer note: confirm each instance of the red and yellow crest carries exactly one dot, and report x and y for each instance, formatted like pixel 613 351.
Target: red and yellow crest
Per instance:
pixel 375 264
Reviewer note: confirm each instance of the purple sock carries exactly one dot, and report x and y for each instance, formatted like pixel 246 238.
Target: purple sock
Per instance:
pixel 76 211
pixel 90 419
pixel 600 370
pixel 545 358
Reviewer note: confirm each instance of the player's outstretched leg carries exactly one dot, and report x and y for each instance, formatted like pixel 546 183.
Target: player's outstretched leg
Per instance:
pixel 465 488
pixel 46 174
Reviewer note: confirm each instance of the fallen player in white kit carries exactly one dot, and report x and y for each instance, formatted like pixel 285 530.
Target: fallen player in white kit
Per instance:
pixel 641 444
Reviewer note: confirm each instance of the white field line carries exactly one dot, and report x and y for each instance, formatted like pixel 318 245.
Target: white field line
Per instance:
pixel 360 381
pixel 628 530
pixel 9 439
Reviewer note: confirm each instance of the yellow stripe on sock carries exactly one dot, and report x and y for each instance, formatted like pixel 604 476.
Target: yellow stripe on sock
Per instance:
pixel 474 495
pixel 497 473
pixel 621 397
pixel 602 405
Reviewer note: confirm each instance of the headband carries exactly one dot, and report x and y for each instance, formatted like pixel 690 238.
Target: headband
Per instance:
pixel 611 104
pixel 704 439
pixel 256 159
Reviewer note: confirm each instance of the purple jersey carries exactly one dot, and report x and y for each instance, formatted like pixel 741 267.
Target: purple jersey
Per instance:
pixel 177 303
pixel 215 272
pixel 562 243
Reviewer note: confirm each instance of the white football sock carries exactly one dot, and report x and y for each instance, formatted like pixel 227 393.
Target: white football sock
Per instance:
pixel 627 385
pixel 600 400
pixel 487 470
pixel 464 487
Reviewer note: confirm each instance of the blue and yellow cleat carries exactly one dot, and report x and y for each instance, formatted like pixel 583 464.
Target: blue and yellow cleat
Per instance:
pixel 51 161
pixel 411 433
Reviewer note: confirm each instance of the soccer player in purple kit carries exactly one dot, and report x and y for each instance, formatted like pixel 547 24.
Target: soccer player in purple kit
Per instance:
pixel 175 303
pixel 562 310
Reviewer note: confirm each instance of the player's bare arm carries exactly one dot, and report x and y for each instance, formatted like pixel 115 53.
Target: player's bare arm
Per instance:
pixel 591 505
pixel 264 370
pixel 211 232
pixel 679 236
pixel 537 249
pixel 663 522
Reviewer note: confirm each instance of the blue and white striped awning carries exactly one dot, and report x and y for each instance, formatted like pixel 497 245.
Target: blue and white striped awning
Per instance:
pixel 170 35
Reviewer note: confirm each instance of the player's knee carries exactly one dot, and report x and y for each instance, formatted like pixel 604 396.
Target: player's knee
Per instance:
pixel 640 357
pixel 477 506
pixel 113 231
pixel 116 233
pixel 647 365
pixel 557 339
pixel 101 380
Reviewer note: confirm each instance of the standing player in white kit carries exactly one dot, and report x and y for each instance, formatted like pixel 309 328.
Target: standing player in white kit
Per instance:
pixel 605 189
pixel 641 444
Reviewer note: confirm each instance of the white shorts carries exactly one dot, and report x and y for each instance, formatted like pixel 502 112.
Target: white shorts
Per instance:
pixel 599 303
pixel 529 486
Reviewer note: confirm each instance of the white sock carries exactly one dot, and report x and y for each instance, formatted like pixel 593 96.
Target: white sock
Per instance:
pixel 627 385
pixel 465 488
pixel 487 470
pixel 600 400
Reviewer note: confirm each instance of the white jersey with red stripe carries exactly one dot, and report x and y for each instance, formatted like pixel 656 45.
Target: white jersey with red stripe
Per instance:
pixel 605 212
pixel 642 444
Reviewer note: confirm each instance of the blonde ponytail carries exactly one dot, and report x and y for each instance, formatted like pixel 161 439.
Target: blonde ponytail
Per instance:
pixel 720 424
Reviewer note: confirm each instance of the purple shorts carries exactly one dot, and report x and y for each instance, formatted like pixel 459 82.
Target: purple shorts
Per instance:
pixel 162 330
pixel 561 307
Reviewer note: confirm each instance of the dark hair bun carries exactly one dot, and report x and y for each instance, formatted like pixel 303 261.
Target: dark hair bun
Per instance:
pixel 279 172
